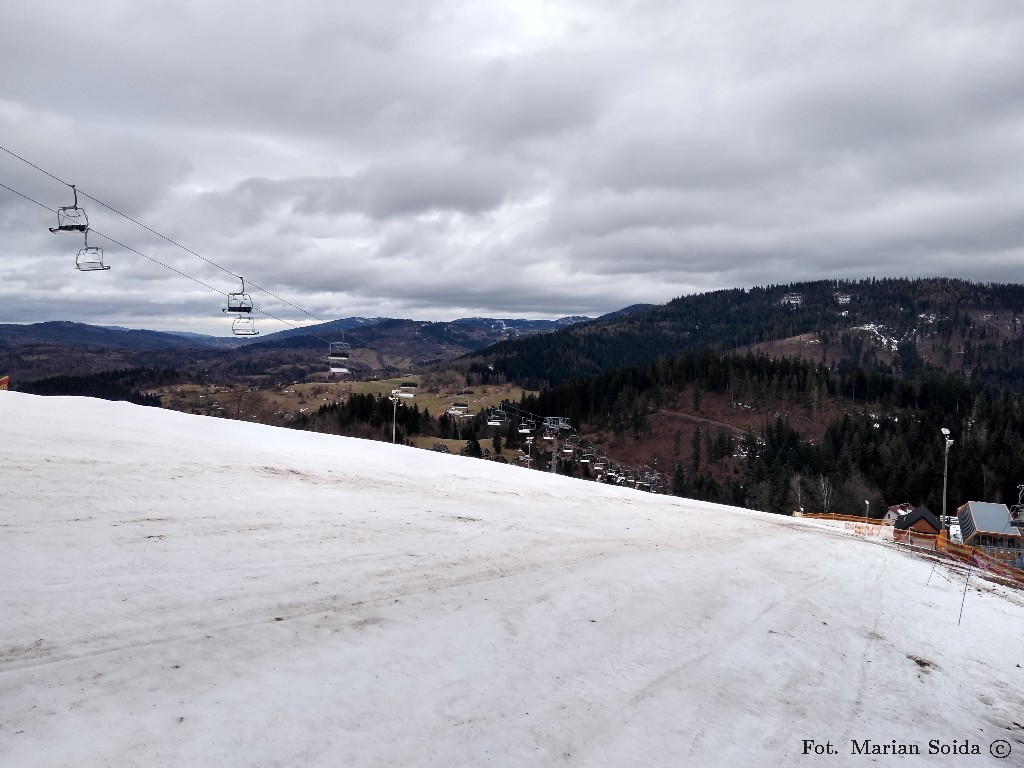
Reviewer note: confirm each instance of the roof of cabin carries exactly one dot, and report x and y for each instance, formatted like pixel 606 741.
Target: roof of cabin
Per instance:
pixel 985 517
pixel 921 513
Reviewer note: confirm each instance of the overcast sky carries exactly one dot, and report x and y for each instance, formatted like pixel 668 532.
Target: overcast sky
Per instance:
pixel 524 159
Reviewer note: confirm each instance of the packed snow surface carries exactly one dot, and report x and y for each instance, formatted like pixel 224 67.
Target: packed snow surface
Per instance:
pixel 187 591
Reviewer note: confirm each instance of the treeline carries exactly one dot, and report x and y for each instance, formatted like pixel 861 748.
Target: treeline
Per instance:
pixel 372 416
pixel 124 384
pixel 366 415
pixel 885 448
pixel 625 398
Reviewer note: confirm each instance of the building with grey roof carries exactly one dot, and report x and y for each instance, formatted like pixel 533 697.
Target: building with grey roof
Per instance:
pixel 988 526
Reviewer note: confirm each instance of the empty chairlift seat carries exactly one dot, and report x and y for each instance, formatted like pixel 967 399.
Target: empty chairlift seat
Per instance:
pixel 338 357
pixel 71 218
pixel 90 258
pixel 243 325
pixel 239 302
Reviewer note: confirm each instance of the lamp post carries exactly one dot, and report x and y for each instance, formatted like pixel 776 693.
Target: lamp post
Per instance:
pixel 945 474
pixel 396 395
pixel 394 413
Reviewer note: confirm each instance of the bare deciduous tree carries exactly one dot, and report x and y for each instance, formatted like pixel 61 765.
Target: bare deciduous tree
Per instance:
pixel 826 490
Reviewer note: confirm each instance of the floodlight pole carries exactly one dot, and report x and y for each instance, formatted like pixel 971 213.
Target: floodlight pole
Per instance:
pixel 945 475
pixel 394 414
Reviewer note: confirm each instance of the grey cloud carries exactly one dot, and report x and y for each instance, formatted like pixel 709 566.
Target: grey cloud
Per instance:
pixel 414 186
pixel 535 96
pixel 442 158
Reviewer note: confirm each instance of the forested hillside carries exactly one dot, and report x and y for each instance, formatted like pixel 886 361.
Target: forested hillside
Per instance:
pixel 815 436
pixel 958 325
pixel 125 384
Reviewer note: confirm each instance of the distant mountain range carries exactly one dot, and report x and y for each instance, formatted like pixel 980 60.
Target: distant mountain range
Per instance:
pixel 481 330
pixel 45 349
pixel 81 334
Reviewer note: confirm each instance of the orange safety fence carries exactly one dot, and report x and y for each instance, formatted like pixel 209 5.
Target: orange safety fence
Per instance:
pixel 867 530
pixel 5 382
pixel 913 538
pixel 973 556
pixel 980 559
pixel 843 518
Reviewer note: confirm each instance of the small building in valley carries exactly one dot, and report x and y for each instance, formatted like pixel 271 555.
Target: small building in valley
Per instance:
pixel 896 511
pixel 920 520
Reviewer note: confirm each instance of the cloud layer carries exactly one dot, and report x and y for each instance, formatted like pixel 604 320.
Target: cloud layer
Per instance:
pixel 438 159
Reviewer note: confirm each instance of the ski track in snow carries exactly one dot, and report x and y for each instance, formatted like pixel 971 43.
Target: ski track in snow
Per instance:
pixel 183 590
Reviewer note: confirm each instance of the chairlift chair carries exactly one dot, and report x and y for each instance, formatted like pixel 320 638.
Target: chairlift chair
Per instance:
pixel 71 218
pixel 526 426
pixel 239 302
pixel 550 433
pixel 243 325
pixel 406 389
pixel 90 258
pixel 496 418
pixel 338 356
pixel 557 422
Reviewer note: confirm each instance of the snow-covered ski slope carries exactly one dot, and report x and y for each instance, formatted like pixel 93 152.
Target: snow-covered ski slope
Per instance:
pixel 186 591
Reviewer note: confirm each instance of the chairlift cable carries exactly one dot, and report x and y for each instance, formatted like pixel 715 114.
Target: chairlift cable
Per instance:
pixel 184 248
pixel 157 261
pixel 158 234
pixel 200 256
pixel 21 194
pixel 29 162
pixel 174 269
pixel 519 411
